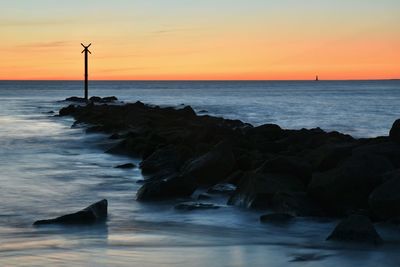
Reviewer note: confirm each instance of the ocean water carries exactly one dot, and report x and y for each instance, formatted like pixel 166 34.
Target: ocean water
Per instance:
pixel 48 169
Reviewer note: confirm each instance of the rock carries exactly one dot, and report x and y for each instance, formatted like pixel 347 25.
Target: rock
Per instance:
pixel 348 186
pixel 295 203
pixel 126 166
pixel 67 111
pixel 256 190
pixel 203 111
pixel 329 156
pixel 204 196
pixel 223 188
pixel 385 199
pixel 188 206
pixel 96 212
pixel 108 99
pixel 95 99
pixel 115 136
pixel 76 99
pixel 167 159
pixel 169 187
pixel 276 218
pixel 394 133
pixel 211 168
pixel 288 165
pixel 267 131
pixel 356 228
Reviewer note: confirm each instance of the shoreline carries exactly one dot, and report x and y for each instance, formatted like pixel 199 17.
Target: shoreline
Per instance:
pixel 287 173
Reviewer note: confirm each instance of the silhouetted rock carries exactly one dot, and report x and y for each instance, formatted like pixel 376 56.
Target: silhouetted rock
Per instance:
pixel 256 190
pixel 67 111
pixel 356 228
pixel 348 186
pixel 188 206
pixel 165 188
pixel 96 212
pixel 76 99
pixel 223 188
pixel 385 199
pixel 296 203
pixel 276 218
pixel 395 132
pixel 299 172
pixel 126 166
pixel 211 168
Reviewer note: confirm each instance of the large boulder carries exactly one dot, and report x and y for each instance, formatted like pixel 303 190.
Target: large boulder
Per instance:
pixel 96 212
pixel 288 165
pixel 356 228
pixel 329 156
pixel 394 133
pixel 212 167
pixel 384 201
pixel 169 187
pixel 348 186
pixel 256 190
pixel 66 111
pixel 296 204
pixel 167 159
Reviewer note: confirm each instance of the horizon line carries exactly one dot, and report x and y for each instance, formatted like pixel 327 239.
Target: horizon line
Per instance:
pixel 198 80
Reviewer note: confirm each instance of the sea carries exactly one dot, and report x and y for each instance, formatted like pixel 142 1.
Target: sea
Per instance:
pixel 48 168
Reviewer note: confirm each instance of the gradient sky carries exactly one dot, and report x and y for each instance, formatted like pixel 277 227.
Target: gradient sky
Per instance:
pixel 201 39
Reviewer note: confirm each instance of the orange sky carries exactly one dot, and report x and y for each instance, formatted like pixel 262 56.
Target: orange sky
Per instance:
pixel 201 40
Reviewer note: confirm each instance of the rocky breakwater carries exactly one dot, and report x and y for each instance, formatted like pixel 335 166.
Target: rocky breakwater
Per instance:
pixel 295 172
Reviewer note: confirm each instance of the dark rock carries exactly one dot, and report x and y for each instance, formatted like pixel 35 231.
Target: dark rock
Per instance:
pixel 76 99
pixel 126 166
pixel 329 156
pixel 95 99
pixel 276 218
pixel 235 178
pixel 394 133
pixel 204 196
pixel 188 111
pixel 256 190
pixel 67 111
pixel 267 131
pixel 115 136
pixel 385 199
pixel 288 165
pixel 166 160
pixel 223 188
pixel 188 206
pixel 348 186
pixel 356 228
pixel 211 168
pixel 166 188
pixel 96 212
pixel 295 203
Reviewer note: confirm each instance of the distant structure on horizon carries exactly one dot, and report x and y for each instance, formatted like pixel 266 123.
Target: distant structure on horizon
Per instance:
pixel 316 78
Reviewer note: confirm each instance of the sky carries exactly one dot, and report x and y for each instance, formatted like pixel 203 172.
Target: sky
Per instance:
pixel 200 39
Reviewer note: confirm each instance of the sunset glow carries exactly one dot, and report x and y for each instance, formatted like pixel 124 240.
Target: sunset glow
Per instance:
pixel 201 40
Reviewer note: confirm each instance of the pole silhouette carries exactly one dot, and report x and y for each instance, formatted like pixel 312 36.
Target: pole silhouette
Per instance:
pixel 86 51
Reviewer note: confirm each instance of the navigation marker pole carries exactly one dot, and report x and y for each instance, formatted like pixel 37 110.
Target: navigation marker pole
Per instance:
pixel 86 51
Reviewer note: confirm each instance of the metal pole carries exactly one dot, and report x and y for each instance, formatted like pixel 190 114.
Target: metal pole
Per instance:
pixel 86 76
pixel 86 51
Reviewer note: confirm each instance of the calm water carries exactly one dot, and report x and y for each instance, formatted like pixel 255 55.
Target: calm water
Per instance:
pixel 48 169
